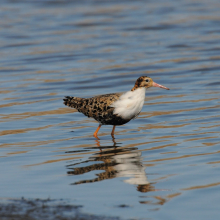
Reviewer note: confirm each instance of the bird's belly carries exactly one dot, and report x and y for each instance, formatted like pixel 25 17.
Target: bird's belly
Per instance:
pixel 111 119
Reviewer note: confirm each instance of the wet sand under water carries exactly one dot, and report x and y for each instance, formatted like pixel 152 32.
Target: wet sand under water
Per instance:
pixel 23 209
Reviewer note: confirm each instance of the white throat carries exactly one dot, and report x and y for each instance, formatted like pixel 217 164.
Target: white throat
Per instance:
pixel 129 105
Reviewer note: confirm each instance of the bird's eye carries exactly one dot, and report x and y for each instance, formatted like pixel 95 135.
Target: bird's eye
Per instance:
pixel 147 80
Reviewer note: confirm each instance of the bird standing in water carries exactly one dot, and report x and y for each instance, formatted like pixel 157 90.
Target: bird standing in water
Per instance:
pixel 115 108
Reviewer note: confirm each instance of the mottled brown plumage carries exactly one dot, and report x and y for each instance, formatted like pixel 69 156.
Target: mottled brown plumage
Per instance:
pixel 97 107
pixel 115 108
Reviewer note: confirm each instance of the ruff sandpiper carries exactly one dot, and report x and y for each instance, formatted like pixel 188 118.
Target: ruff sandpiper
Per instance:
pixel 115 108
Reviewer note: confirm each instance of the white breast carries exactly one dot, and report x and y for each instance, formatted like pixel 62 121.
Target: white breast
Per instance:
pixel 130 103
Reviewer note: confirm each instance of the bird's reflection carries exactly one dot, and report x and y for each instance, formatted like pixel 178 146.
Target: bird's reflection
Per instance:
pixel 115 161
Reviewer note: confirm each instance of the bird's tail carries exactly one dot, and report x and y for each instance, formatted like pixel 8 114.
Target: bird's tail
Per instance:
pixel 73 102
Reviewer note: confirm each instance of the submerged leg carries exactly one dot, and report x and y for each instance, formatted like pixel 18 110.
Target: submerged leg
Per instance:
pixel 96 132
pixel 113 131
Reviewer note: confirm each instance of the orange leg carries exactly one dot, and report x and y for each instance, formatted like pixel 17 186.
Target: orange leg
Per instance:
pixel 96 132
pixel 98 145
pixel 113 131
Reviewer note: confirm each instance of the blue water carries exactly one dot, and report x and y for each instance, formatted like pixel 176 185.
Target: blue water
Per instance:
pixel 162 165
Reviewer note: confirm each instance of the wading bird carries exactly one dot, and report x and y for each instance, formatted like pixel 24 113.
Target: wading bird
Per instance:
pixel 115 108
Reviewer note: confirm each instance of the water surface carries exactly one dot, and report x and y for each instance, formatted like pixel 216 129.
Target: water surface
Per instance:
pixel 164 164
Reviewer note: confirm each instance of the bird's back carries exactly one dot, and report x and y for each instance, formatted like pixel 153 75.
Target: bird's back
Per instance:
pixel 97 107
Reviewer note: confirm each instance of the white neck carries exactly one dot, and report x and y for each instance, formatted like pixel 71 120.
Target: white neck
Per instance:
pixel 130 103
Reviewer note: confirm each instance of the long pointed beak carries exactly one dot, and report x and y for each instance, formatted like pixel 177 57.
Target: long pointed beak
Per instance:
pixel 160 86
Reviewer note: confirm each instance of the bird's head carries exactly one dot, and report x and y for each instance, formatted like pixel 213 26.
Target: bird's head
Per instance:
pixel 147 82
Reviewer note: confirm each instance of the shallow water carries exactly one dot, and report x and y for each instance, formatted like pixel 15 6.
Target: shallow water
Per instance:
pixel 164 164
